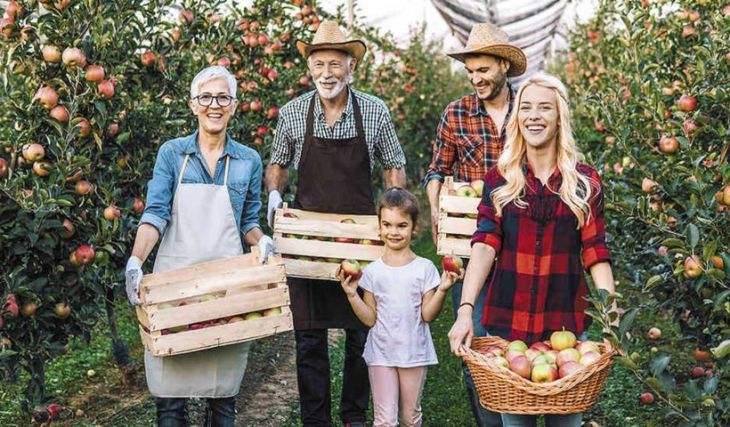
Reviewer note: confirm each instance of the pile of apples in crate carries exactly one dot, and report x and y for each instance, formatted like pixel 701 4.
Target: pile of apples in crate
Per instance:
pixel 545 361
pixel 213 322
pixel 473 189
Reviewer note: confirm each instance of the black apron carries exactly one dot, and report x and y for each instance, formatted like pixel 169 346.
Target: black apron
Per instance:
pixel 334 177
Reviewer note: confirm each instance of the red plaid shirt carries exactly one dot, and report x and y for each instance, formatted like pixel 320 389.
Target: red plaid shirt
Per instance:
pixel 466 136
pixel 539 285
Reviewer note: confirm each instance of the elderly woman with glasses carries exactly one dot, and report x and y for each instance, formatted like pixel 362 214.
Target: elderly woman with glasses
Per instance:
pixel 204 200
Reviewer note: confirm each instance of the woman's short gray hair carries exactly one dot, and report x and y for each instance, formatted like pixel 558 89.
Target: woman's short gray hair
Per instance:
pixel 212 73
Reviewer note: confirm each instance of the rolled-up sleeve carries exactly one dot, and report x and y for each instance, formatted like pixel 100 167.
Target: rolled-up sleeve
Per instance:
pixel 444 152
pixel 489 224
pixel 387 147
pixel 282 148
pixel 159 191
pixel 593 232
pixel 252 204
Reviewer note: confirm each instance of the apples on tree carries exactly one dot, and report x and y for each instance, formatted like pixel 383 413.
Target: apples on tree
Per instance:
pixel 95 73
pixel 62 310
pixel 51 54
pixel 60 113
pixel 692 267
pixel 47 97
pixel 33 152
pixel 73 57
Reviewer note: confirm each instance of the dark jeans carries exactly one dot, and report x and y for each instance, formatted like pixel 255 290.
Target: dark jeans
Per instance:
pixel 482 416
pixel 313 377
pixel 172 412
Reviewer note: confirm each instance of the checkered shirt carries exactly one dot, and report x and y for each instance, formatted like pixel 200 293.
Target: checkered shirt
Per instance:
pixel 380 135
pixel 539 284
pixel 467 141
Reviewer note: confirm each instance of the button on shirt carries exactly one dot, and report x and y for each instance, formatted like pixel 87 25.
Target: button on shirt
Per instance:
pixel 244 180
pixel 539 283
pixel 467 142
pixel 380 133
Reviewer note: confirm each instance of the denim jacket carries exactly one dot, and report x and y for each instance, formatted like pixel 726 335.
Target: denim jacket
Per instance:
pixel 244 180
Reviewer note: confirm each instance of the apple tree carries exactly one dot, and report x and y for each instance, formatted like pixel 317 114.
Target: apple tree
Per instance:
pixel 650 87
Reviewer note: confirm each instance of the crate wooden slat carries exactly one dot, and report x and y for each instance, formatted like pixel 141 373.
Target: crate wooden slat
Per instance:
pixel 454 227
pixel 310 236
pixel 187 309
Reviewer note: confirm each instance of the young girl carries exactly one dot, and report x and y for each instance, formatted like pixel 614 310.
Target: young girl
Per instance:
pixel 541 215
pixel 402 293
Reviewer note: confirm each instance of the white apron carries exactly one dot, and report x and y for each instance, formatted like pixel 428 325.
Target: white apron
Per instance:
pixel 202 228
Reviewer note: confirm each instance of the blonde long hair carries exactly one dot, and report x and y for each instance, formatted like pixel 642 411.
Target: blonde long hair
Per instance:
pixel 576 189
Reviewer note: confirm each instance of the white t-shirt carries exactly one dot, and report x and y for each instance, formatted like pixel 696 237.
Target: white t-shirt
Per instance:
pixel 400 337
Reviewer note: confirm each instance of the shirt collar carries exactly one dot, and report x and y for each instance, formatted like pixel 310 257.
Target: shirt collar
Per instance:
pixel 319 111
pixel 553 181
pixel 477 107
pixel 190 146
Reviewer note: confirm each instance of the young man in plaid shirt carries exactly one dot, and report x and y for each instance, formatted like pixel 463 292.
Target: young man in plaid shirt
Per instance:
pixel 470 138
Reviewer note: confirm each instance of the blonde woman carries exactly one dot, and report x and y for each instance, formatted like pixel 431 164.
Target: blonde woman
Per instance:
pixel 541 214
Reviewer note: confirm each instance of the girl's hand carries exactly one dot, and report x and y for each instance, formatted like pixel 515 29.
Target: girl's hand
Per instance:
pixel 348 285
pixel 448 278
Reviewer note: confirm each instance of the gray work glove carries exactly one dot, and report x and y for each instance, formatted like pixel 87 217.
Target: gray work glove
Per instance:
pixel 275 202
pixel 133 277
pixel 266 248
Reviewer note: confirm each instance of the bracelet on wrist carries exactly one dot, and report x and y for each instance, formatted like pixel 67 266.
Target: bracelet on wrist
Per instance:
pixel 465 304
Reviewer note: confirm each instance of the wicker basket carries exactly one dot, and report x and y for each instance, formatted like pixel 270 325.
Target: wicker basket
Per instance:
pixel 501 390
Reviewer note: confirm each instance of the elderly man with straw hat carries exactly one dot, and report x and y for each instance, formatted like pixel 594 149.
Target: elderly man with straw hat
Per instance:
pixel 332 137
pixel 469 139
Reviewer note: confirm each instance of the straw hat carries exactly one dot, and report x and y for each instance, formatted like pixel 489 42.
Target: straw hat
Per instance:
pixel 491 40
pixel 330 36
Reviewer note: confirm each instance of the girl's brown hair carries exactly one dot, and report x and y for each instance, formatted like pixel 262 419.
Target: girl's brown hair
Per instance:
pixel 396 197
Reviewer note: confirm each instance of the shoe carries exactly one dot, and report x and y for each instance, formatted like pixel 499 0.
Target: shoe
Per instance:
pixel 354 424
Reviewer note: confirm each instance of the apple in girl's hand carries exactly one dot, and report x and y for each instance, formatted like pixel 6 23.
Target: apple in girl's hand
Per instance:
pixel 351 268
pixel 452 263
pixel 569 368
pixel 562 339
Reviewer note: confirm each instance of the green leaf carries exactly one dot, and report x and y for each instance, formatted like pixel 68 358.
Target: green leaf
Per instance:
pixel 721 350
pixel 655 384
pixel 673 243
pixel 693 236
pixel 659 364
pixel 627 320
pixel 653 281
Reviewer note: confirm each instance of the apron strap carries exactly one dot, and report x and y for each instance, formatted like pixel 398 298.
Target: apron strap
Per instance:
pixel 225 178
pixel 308 132
pixel 182 170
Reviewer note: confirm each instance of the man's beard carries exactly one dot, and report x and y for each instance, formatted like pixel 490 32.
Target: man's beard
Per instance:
pixel 498 84
pixel 331 93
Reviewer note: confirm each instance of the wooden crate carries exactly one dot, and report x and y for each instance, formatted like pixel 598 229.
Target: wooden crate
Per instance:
pixel 203 300
pixel 313 244
pixel 457 220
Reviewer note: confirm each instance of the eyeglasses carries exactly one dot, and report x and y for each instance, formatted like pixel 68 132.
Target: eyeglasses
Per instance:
pixel 207 100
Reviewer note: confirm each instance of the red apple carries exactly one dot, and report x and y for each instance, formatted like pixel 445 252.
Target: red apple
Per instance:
pixel 692 267
pixel 138 206
pixel 272 112
pixel 646 398
pixel 73 57
pixel 662 250
pixel 560 340
pixel 112 129
pixel 687 103
pixel 585 346
pixel 567 355
pixel 689 126
pixel 47 97
pixel 111 213
pixel 42 168
pixel 540 346
pixel 668 144
pixel 84 254
pixel 53 410
pixel 647 185
pixel 532 353
pixel 688 30
pixel 255 105
pixel 148 58
pixel 29 309
pixel 83 187
pixel 106 89
pixel 69 229
pixel 453 264
pixel 95 73
pixel 32 152
pixel 589 357
pixel 520 366
pixel 511 354
pixel 3 168
pixel 304 81
pixel 698 372
pixel 84 128
pixel 62 310
pixel 51 54
pixel 262 130
pixel 186 17
pixel 569 368
pixel 351 268
pixel 60 113
pixel 544 373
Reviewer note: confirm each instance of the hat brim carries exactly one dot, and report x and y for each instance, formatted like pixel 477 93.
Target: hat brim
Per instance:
pixel 356 48
pixel 511 53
